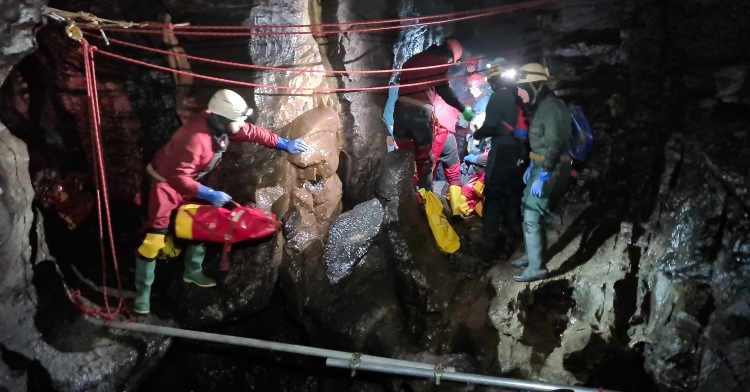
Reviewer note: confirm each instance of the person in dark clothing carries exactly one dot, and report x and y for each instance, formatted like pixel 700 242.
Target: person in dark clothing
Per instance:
pixel 506 164
pixel 412 116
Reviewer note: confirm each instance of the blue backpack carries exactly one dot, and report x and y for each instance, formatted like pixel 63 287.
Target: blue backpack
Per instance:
pixel 582 140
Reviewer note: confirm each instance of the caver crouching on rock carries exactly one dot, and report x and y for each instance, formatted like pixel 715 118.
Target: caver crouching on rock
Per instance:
pixel 192 152
pixel 549 170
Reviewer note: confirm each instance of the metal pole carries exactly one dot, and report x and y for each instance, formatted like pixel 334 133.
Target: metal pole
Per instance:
pixel 255 343
pixel 458 377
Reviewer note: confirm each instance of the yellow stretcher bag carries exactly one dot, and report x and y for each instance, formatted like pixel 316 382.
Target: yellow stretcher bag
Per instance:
pixel 445 237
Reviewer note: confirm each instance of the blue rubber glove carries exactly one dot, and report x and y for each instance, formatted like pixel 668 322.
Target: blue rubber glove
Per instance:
pixel 522 134
pixel 295 146
pixel 528 173
pixel 217 198
pixel 538 185
pixel 468 113
pixel 471 159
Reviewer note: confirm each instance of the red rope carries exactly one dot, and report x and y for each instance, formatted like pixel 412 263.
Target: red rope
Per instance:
pixel 265 68
pixel 309 71
pixel 101 191
pixel 319 25
pixel 498 11
pixel 256 85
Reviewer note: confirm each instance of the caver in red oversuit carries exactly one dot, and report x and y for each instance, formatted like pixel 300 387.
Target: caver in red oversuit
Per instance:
pixel 176 170
pixel 445 149
pixel 412 127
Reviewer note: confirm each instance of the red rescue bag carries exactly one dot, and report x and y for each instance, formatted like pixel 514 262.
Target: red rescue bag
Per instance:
pixel 200 222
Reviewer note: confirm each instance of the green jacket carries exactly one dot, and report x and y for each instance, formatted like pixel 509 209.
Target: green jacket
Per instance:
pixel 550 131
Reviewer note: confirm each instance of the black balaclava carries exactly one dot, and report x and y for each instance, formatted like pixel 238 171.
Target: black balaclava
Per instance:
pixel 220 129
pixel 537 91
pixel 446 52
pixel 500 83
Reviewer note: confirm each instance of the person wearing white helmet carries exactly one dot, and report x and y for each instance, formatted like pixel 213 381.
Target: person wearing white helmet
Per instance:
pixel 176 171
pixel 549 170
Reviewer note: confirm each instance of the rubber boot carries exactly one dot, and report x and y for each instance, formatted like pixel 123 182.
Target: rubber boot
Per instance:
pixel 456 199
pixel 523 261
pixel 534 237
pixel 194 256
pixel 536 269
pixel 144 278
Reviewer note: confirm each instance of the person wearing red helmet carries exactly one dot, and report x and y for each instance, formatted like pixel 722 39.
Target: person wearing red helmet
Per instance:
pixel 413 124
pixel 476 81
pixel 480 95
pixel 460 85
pixel 463 88
pixel 480 92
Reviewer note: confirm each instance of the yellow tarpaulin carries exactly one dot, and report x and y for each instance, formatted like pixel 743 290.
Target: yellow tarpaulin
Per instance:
pixel 446 238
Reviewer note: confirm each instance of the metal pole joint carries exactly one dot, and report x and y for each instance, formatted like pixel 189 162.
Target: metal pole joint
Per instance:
pixel 439 369
pixel 354 362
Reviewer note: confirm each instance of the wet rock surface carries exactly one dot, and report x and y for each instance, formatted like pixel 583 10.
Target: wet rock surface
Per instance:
pixel 350 238
pixel 635 282
pixel 243 290
pixel 49 344
pixel 698 272
pixel 423 278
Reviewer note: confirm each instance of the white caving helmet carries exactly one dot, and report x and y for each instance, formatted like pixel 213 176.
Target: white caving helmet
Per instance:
pixel 532 72
pixel 227 103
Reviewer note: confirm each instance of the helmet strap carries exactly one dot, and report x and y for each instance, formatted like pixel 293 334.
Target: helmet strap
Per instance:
pixel 536 94
pixel 536 90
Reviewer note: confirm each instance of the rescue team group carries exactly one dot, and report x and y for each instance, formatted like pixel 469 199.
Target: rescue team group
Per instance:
pixel 197 147
pixel 482 118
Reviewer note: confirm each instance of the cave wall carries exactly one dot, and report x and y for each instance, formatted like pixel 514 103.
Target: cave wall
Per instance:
pixel 640 251
pixel 364 139
pixel 36 355
pixel 18 37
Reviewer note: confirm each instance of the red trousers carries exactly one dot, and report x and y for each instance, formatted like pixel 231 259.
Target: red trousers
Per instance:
pixel 445 151
pixel 162 201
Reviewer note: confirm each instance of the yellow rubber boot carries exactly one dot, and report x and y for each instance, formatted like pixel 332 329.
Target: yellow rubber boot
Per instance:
pixel 456 198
